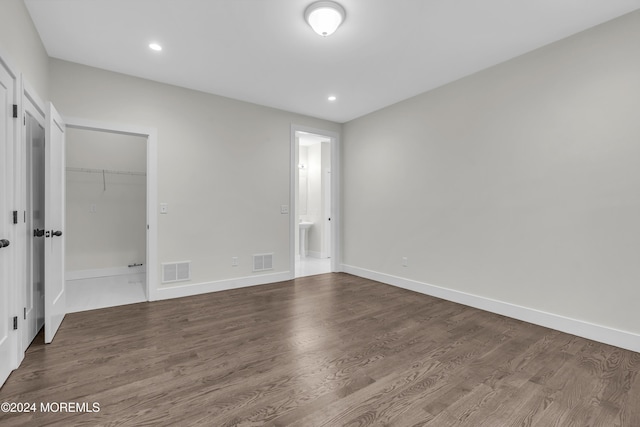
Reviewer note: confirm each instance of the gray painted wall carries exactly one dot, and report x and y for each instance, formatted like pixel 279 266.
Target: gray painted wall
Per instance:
pixel 519 183
pixel 20 41
pixel 223 165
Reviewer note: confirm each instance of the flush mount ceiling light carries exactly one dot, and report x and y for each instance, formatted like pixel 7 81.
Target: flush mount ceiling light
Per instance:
pixel 332 98
pixel 324 17
pixel 155 46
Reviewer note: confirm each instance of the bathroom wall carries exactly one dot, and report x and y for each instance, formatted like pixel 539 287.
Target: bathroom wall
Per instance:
pixel 299 189
pixel 314 205
pixel 325 248
pixel 303 181
pixel 105 215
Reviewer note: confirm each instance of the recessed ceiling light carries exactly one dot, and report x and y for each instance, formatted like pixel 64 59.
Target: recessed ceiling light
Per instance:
pixel 332 98
pixel 155 46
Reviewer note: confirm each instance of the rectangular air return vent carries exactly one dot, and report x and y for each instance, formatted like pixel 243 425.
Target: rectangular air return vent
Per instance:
pixel 176 271
pixel 262 262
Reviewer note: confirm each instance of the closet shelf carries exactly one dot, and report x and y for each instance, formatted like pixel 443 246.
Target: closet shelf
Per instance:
pixel 103 171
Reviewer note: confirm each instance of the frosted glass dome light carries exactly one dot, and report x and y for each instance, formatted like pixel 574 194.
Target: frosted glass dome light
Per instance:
pixel 324 17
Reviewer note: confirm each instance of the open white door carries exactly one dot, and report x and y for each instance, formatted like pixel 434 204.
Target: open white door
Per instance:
pixel 54 286
pixel 326 206
pixel 7 308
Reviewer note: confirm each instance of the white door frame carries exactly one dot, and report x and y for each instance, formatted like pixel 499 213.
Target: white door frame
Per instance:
pixel 152 187
pixel 335 196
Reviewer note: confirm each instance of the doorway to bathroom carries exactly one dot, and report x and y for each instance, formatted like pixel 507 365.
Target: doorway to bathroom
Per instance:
pixel 313 188
pixel 106 219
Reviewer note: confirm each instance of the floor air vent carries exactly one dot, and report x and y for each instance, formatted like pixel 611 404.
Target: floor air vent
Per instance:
pixel 262 262
pixel 176 271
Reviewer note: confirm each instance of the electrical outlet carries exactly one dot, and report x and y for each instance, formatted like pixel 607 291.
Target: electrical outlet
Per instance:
pixel 405 261
pixel 234 261
pixel 284 209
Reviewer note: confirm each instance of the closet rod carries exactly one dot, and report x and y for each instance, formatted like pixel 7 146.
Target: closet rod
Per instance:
pixel 103 171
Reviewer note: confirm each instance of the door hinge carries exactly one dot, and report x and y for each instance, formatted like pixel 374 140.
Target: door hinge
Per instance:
pixel 15 217
pixel 15 111
pixel 25 313
pixel 15 322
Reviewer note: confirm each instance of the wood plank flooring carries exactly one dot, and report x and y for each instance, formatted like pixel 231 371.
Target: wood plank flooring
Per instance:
pixel 327 350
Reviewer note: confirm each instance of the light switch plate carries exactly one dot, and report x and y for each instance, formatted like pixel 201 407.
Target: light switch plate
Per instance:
pixel 284 209
pixel 164 208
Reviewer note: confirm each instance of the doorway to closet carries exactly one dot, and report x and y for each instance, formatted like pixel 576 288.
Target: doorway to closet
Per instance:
pixel 106 219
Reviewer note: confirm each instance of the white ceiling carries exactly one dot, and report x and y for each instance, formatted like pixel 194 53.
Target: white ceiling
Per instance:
pixel 262 51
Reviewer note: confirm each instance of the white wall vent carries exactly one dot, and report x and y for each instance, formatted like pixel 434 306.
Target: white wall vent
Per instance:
pixel 176 271
pixel 262 262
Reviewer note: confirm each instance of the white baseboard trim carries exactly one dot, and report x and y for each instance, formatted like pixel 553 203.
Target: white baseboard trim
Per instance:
pixel 220 285
pixel 603 334
pixel 103 272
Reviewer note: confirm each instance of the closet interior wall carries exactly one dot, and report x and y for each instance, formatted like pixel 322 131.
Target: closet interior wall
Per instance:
pixel 106 201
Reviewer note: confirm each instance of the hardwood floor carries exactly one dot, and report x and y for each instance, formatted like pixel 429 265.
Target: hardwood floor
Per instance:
pixel 328 350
